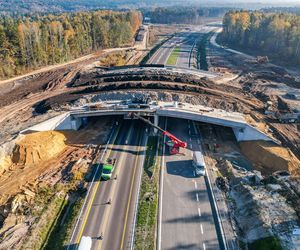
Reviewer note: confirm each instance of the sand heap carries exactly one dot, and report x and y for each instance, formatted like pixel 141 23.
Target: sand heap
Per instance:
pixel 37 147
pixel 268 157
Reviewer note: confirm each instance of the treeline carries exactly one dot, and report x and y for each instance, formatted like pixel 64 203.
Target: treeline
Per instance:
pixel 182 15
pixel 274 34
pixel 294 10
pixel 30 42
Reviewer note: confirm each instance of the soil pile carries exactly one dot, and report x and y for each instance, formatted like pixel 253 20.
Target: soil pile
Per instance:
pixel 268 157
pixel 5 163
pixel 37 147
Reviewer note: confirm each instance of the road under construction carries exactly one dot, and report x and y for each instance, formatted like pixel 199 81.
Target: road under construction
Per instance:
pixel 189 110
pixel 189 204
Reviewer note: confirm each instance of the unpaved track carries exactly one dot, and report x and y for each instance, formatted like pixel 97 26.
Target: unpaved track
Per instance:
pixel 23 92
pixel 92 56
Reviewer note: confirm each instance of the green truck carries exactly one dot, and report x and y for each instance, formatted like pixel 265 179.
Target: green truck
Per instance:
pixel 107 169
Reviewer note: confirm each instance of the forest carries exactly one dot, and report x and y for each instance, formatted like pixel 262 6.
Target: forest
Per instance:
pixel 12 7
pixel 30 42
pixel 274 34
pixel 180 15
pixel 293 9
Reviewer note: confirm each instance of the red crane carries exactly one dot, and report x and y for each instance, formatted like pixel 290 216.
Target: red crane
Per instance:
pixel 174 143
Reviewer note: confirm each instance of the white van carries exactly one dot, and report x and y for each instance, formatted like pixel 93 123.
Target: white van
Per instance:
pixel 198 163
pixel 85 243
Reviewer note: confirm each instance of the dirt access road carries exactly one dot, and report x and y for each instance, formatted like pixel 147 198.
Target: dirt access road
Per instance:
pixel 19 95
pixel 260 82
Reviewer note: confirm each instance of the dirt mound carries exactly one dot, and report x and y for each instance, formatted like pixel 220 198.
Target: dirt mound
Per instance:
pixel 268 157
pixel 37 147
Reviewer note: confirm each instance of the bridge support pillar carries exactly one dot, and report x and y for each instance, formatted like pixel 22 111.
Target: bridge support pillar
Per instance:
pixel 156 119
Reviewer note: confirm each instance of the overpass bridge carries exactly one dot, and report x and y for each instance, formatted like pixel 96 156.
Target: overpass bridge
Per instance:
pixel 73 119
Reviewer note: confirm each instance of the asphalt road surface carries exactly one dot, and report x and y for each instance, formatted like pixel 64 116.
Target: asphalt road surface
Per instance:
pixel 184 59
pixel 163 53
pixel 185 40
pixel 115 221
pixel 186 216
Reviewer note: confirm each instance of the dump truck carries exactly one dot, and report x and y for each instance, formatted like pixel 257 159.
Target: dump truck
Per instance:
pixel 108 169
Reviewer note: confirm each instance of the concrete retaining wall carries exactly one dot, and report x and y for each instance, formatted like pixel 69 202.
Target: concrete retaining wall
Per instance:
pixel 69 123
pixel 250 133
pixel 60 122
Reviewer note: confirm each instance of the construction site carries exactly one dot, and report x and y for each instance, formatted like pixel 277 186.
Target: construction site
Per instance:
pixel 243 113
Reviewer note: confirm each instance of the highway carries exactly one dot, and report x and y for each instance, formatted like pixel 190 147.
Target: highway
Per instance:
pixel 185 56
pixel 163 53
pixel 115 221
pixel 185 216
pixel 186 41
pixel 186 219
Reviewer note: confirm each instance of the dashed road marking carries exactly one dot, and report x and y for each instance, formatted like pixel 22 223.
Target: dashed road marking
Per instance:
pixel 194 173
pixel 204 247
pixel 197 197
pixel 201 228
pixel 199 211
pixel 196 185
pixel 191 146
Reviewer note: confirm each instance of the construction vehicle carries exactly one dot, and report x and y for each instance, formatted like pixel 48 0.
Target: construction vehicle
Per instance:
pixel 174 143
pixel 262 59
pixel 288 117
pixel 108 168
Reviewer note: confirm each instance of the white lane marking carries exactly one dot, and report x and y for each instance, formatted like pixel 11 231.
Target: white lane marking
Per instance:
pixel 194 173
pixel 196 185
pixel 204 247
pixel 197 197
pixel 138 194
pixel 161 190
pixel 201 228
pixel 199 211
pixel 190 139
pixel 191 146
pixel 89 189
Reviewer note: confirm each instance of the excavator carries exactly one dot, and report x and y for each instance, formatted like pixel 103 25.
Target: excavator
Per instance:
pixel 174 143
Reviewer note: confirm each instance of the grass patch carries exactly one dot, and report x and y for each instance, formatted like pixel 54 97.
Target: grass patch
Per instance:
pixel 148 199
pixel 269 243
pixel 201 51
pixel 114 59
pixel 172 60
pixel 52 207
pixel 61 233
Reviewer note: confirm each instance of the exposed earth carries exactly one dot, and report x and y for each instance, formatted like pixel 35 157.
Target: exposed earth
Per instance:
pixel 32 161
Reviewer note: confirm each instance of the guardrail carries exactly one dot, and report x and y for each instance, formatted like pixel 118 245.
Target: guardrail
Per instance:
pixel 215 209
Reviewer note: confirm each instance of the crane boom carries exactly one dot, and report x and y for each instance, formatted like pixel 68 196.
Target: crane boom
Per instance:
pixel 176 143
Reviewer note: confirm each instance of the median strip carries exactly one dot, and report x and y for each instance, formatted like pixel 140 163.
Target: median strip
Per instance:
pixel 172 60
pixel 201 51
pixel 148 200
